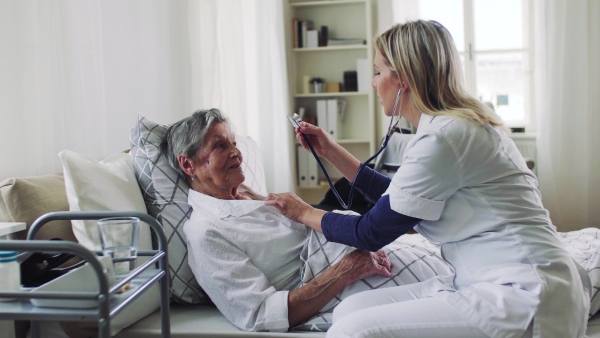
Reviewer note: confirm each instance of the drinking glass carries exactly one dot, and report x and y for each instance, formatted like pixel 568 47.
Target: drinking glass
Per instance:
pixel 119 237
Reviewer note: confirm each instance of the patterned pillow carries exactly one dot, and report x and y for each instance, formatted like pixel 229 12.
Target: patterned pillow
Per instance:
pixel 166 196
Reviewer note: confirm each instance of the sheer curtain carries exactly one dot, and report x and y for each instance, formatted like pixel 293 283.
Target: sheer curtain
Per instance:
pixel 238 65
pixel 74 74
pixel 567 75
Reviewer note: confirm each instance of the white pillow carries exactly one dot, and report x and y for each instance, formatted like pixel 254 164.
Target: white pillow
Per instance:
pixel 108 185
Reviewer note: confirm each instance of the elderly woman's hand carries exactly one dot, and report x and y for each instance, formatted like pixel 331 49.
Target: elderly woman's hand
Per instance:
pixel 360 264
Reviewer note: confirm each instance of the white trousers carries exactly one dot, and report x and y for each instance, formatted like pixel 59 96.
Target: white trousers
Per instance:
pixel 400 312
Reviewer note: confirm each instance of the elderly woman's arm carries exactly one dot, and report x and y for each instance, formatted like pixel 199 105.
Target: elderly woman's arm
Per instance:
pixel 246 297
pixel 309 299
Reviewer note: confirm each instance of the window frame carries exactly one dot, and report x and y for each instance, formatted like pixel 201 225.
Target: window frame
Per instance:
pixel 470 53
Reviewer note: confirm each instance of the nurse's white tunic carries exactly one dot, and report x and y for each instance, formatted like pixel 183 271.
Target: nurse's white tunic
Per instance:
pixel 472 189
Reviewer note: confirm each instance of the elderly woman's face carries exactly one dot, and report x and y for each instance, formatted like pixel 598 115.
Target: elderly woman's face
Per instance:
pixel 218 163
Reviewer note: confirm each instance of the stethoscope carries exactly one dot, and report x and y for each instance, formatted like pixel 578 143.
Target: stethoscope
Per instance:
pixel 391 127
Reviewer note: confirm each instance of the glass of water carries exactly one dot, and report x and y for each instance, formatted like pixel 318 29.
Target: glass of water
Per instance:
pixel 119 237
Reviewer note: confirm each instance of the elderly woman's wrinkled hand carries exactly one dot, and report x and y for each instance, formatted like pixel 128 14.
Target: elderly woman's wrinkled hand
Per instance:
pixel 363 263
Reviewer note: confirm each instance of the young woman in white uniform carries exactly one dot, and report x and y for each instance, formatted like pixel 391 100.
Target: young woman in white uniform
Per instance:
pixel 462 183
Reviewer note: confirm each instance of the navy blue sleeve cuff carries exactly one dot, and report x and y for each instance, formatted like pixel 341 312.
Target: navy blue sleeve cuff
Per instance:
pixel 371 231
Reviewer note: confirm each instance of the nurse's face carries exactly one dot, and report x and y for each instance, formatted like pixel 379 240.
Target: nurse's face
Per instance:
pixel 387 84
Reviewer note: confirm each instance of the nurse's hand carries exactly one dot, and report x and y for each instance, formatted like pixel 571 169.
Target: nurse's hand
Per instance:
pixel 320 140
pixel 294 208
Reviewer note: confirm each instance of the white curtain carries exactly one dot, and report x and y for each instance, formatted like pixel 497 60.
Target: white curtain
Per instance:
pixel 75 73
pixel 238 66
pixel 567 100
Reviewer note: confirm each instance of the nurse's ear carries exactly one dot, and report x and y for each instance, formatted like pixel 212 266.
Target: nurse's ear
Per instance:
pixel 403 85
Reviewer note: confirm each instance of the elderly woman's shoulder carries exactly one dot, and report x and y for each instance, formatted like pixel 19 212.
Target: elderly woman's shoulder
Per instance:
pixel 246 192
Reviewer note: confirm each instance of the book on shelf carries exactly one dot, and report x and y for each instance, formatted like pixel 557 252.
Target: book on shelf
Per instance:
pixel 299 33
pixel 312 40
pixel 307 25
pixel 345 41
pixel 295 32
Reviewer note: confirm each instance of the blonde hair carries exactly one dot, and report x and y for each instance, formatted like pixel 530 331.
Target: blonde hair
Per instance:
pixel 425 54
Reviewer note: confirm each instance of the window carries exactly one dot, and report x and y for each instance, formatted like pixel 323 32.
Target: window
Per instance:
pixel 493 40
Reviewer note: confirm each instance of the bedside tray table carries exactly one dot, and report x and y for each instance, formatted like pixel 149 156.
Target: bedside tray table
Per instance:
pixel 109 299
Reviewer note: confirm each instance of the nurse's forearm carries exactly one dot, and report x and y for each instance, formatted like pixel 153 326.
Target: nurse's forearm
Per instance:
pixel 312 218
pixel 344 162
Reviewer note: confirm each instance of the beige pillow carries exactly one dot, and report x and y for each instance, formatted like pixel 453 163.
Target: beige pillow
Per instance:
pixel 24 199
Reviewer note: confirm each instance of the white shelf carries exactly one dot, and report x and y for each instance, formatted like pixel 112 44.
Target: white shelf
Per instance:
pixel 329 48
pixel 329 94
pixel 325 3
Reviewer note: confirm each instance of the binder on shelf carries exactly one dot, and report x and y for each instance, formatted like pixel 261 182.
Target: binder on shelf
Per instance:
pixel 308 171
pixel 363 74
pixel 302 159
pixel 322 114
pixel 329 116
pixel 334 125
pixel 313 169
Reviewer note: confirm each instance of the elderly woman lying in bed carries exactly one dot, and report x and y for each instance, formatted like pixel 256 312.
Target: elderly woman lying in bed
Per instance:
pixel 246 255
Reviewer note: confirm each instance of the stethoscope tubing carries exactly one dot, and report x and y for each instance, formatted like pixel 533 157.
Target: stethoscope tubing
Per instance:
pixel 362 164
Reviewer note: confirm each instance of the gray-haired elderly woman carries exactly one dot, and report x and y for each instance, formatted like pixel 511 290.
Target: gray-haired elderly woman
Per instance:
pixel 244 254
